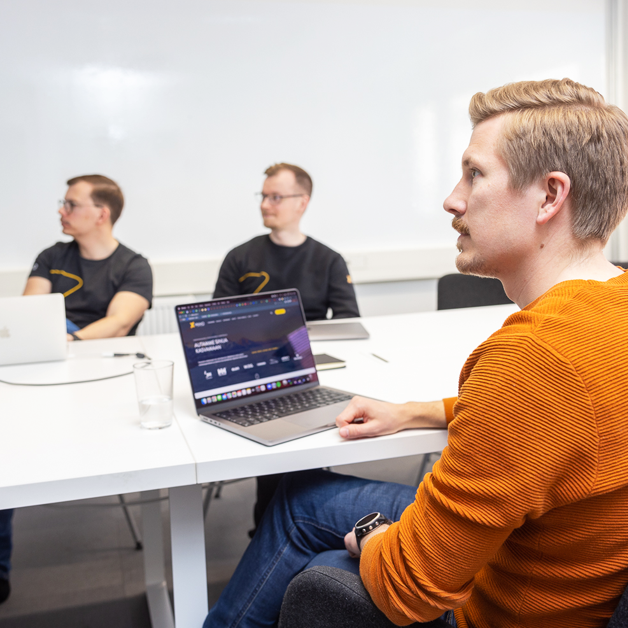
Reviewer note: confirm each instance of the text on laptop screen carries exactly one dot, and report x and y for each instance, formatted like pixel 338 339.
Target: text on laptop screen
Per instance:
pixel 240 347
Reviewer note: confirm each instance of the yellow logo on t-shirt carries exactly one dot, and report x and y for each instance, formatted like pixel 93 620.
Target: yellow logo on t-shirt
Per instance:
pixel 260 274
pixel 78 286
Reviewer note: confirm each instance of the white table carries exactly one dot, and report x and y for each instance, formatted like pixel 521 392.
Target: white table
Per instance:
pixel 424 354
pixel 75 442
pixel 64 443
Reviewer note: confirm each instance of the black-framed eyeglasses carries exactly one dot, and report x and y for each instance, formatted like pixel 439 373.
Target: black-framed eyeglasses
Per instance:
pixel 70 206
pixel 275 199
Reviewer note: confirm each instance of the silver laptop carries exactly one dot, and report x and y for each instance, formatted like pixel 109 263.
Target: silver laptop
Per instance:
pixel 327 330
pixel 32 329
pixel 252 370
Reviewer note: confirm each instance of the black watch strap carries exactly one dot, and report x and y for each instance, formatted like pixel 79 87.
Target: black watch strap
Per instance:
pixel 75 336
pixel 367 524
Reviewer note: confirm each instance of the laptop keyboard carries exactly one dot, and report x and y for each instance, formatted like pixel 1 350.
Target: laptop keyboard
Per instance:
pixel 262 411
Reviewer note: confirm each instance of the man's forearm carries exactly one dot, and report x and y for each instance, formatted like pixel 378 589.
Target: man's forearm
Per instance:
pixel 425 414
pixel 107 327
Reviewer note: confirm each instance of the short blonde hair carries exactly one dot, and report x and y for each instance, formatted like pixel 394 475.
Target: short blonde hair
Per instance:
pixel 304 181
pixel 566 127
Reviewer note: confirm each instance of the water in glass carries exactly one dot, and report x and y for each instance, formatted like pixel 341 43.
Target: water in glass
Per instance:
pixel 156 412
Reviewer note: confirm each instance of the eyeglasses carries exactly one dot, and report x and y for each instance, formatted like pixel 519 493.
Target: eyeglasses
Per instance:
pixel 275 199
pixel 70 206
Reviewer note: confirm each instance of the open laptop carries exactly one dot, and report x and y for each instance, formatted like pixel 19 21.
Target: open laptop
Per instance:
pixel 252 370
pixel 334 330
pixel 32 329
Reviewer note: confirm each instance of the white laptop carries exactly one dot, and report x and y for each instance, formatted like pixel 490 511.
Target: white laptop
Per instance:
pixel 32 329
pixel 252 370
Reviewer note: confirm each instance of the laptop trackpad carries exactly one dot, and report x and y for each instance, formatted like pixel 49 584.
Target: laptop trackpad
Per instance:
pixel 277 429
pixel 318 417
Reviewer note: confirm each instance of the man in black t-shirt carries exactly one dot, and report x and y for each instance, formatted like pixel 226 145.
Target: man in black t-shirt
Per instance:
pixel 107 286
pixel 286 258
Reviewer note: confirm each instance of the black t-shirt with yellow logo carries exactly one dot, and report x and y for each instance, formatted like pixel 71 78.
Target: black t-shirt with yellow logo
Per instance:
pixel 319 273
pixel 89 285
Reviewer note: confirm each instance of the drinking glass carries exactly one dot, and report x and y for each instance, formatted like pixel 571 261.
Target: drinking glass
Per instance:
pixel 153 382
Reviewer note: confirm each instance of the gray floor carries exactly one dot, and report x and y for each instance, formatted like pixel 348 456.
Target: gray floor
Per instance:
pixel 75 565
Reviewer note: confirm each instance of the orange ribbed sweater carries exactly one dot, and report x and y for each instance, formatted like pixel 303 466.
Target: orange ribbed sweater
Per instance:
pixel 524 520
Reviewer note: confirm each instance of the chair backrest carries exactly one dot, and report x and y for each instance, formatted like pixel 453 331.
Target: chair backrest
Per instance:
pixel 456 291
pixel 619 618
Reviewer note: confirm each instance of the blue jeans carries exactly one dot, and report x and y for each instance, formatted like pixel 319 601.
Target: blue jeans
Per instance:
pixel 6 542
pixel 71 327
pixel 310 513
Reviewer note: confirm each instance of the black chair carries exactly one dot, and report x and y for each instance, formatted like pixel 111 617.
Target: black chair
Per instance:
pixel 456 291
pixel 327 597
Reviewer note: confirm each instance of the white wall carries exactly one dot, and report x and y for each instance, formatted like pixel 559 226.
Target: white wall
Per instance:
pixel 186 103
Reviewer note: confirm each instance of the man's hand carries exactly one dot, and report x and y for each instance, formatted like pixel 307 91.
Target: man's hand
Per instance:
pixel 376 418
pixel 351 543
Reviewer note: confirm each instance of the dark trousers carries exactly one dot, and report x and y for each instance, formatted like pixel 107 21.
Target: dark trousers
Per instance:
pixel 266 487
pixel 6 542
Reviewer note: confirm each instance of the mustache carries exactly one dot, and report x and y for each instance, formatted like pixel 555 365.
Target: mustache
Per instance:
pixel 459 225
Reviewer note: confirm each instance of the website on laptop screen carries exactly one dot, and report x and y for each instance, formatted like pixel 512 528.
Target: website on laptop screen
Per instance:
pixel 245 346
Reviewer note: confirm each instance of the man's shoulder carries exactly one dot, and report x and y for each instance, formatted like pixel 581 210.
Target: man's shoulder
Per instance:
pixel 60 248
pixel 322 249
pixel 123 254
pixel 258 243
pixel 573 322
pixel 593 307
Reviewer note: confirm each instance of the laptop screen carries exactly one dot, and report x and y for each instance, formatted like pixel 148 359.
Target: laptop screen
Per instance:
pixel 245 346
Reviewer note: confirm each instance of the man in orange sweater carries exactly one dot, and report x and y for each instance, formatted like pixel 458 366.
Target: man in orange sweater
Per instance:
pixel 522 522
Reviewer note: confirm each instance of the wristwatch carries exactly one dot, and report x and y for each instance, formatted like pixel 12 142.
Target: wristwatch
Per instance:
pixel 75 336
pixel 367 524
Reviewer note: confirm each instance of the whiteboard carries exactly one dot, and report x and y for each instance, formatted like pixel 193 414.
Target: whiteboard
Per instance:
pixel 185 104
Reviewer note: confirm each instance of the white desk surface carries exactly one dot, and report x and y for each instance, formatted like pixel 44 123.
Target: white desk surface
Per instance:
pixel 425 352
pixel 73 442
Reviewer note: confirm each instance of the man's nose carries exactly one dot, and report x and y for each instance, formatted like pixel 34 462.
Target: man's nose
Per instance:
pixel 455 203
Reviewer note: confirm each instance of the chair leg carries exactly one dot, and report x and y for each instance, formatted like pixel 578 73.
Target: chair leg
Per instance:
pixel 219 486
pixel 427 461
pixel 208 497
pixel 137 539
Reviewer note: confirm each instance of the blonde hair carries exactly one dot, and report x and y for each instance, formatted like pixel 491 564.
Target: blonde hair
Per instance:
pixel 564 126
pixel 304 181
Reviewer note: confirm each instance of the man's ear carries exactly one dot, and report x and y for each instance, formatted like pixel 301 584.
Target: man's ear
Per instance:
pixel 556 186
pixel 305 199
pixel 105 215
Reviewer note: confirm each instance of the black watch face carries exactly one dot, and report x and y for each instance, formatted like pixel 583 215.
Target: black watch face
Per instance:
pixel 367 519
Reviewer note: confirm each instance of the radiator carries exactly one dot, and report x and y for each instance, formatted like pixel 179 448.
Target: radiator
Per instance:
pixel 160 319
